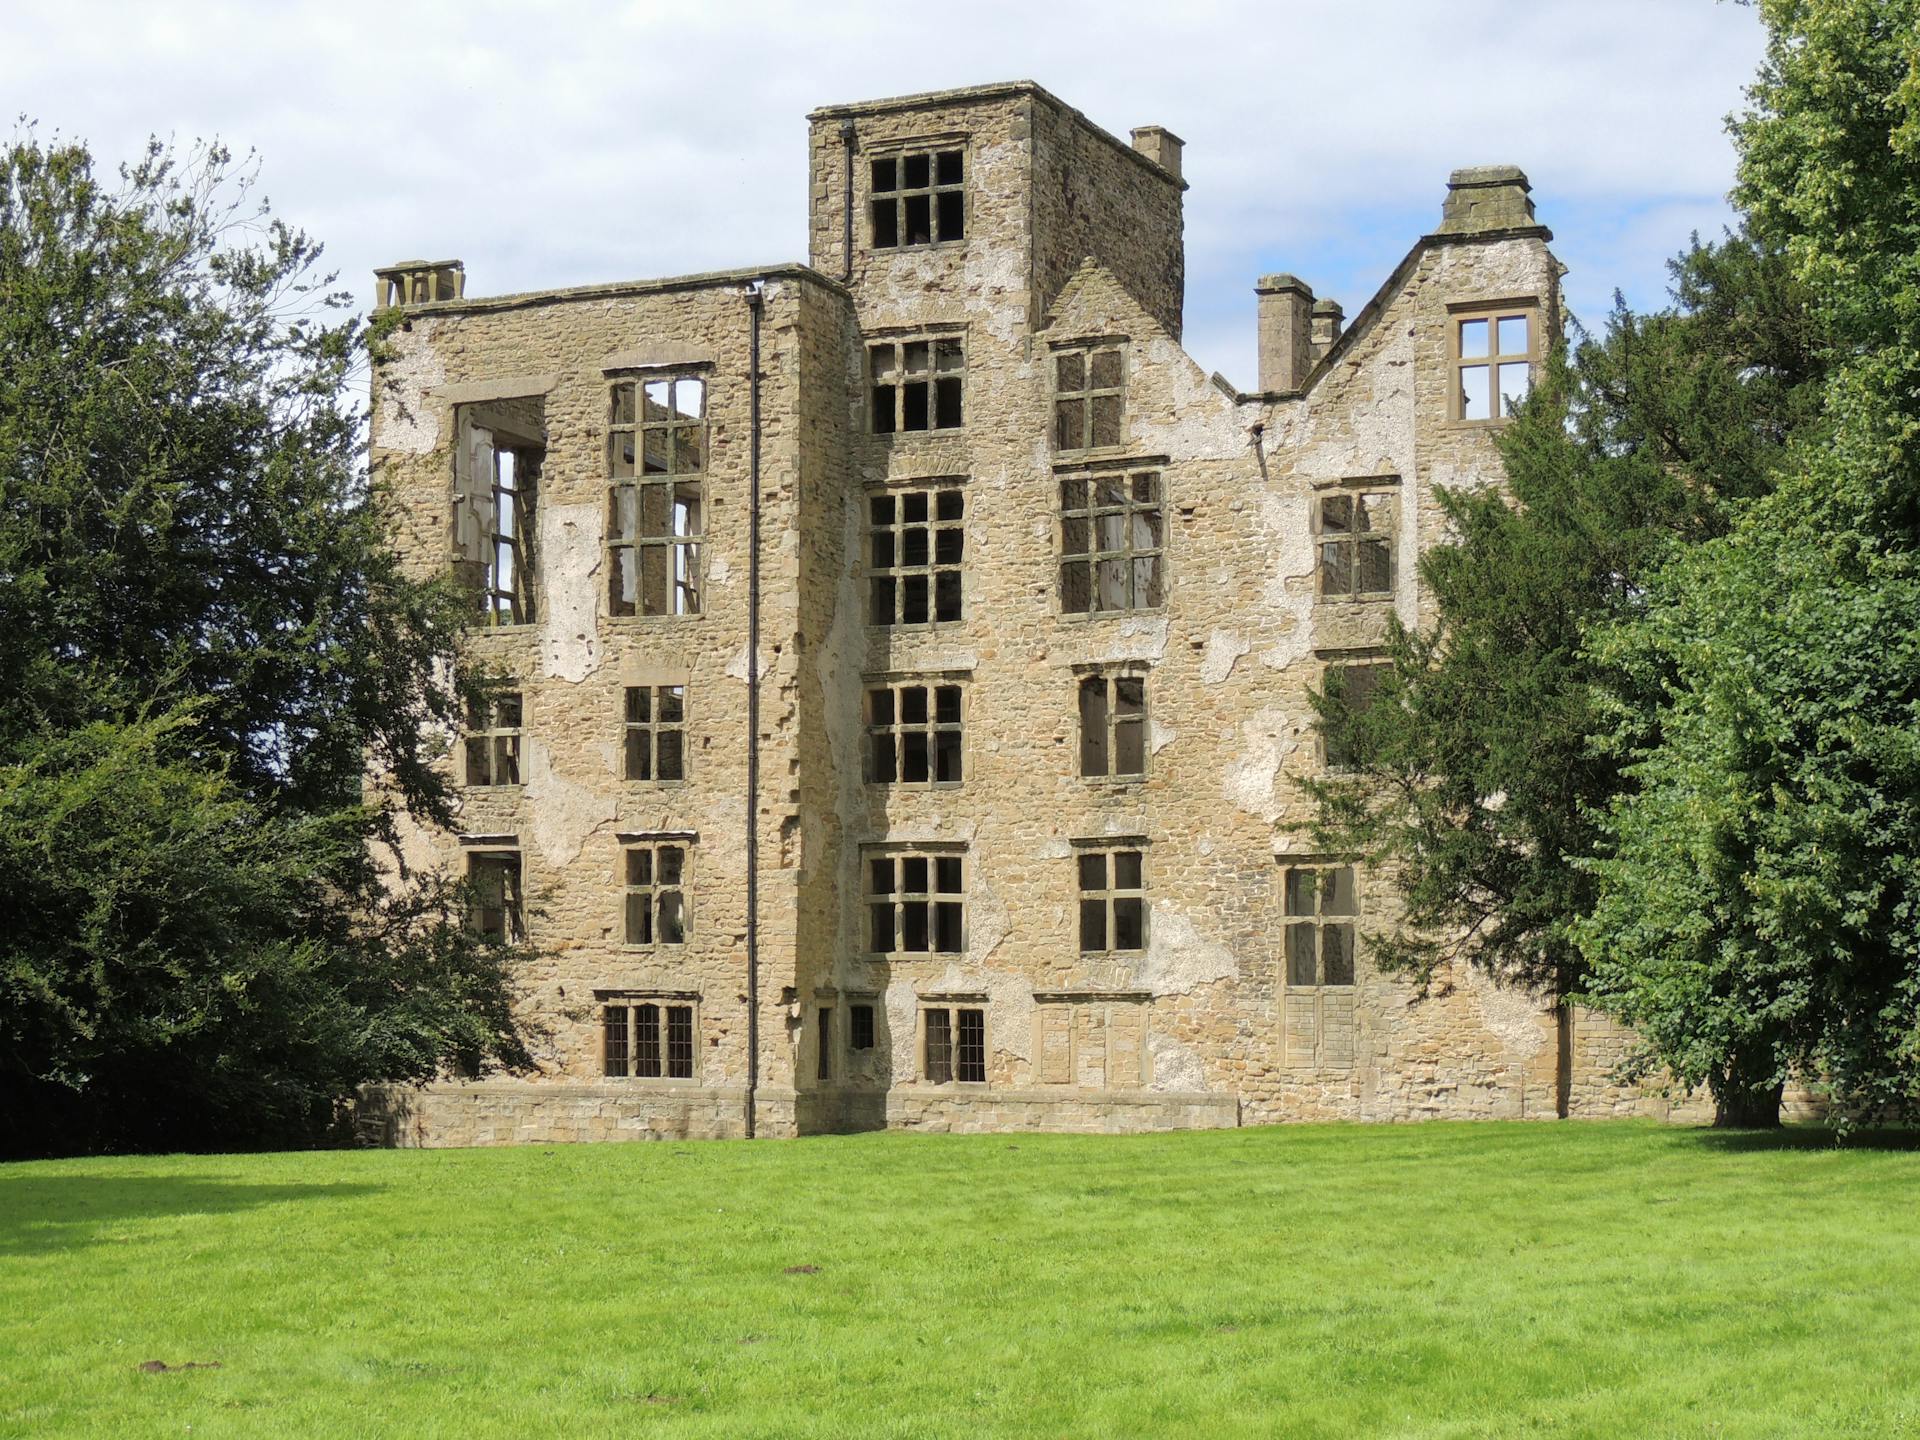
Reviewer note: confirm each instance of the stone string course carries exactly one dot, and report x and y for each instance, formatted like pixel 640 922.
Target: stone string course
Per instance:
pixel 1070 236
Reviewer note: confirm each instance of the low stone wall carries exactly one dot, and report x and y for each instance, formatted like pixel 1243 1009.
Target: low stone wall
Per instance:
pixel 522 1112
pixel 991 1111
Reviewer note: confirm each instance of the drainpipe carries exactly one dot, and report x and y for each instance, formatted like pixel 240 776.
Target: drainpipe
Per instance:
pixel 754 297
pixel 846 139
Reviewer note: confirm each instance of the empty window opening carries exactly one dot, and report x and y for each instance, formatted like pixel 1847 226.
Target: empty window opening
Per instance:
pixel 1323 906
pixel 1089 391
pixel 647 1041
pixel 860 1027
pixel 917 384
pixel 1354 687
pixel 656 454
pixel 1111 531
pixel 823 1066
pixel 1113 903
pixel 498 452
pixel 919 198
pixel 1356 530
pixel 916 543
pixel 493 877
pixel 656 908
pixel 915 904
pixel 493 740
pixel 913 735
pixel 656 732
pixel 955 1045
pixel 1492 363
pixel 1113 726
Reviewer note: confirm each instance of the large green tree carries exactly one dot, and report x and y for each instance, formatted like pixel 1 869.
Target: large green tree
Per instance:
pixel 1758 902
pixel 204 642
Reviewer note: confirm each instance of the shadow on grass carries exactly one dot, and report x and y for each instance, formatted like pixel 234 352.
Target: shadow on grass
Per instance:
pixel 41 1214
pixel 1803 1137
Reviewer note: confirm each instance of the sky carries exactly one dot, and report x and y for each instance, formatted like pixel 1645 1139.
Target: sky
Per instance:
pixel 553 144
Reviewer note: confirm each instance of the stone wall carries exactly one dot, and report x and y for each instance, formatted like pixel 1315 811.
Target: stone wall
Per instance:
pixel 1071 237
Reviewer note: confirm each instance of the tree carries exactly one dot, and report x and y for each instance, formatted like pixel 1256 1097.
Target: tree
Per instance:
pixel 204 642
pixel 1757 909
pixel 1472 777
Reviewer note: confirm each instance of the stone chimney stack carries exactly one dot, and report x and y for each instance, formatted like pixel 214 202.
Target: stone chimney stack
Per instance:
pixel 1328 317
pixel 1487 197
pixel 1286 331
pixel 1161 146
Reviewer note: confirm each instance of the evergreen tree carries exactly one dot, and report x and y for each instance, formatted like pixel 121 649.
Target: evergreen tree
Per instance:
pixel 203 642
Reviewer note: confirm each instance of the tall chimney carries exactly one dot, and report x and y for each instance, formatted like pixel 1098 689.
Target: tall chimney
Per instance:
pixel 1286 333
pixel 1481 198
pixel 1161 146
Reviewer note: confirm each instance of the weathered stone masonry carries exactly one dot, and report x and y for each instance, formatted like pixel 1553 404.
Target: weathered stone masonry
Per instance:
pixel 1039 606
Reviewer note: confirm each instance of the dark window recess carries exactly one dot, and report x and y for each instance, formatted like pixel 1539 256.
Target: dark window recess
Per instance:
pixel 656 903
pixel 913 735
pixel 656 454
pixel 634 1044
pixel 1356 543
pixel 1322 907
pixel 494 878
pixel 956 1046
pixel 1353 686
pixel 917 384
pixel 493 741
pixel 1113 726
pixel 656 733
pixel 824 1065
pixel 916 546
pixel 860 1027
pixel 1113 905
pixel 1111 532
pixel 915 904
pixel 1089 394
pixel 919 198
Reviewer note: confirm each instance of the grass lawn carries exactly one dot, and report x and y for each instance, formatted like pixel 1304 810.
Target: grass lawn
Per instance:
pixel 1432 1280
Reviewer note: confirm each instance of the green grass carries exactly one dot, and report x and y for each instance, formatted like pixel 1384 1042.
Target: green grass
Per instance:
pixel 1431 1281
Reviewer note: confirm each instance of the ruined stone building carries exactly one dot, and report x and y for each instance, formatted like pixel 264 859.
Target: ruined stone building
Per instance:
pixel 911 652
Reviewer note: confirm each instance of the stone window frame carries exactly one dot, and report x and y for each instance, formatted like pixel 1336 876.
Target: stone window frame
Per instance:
pixel 648 732
pixel 1490 313
pixel 484 852
pixel 667 1004
pixel 1110 1003
pixel 937 188
pixel 932 900
pixel 899 732
pixel 1084 510
pixel 939 577
pixel 494 731
pixel 1112 675
pixel 1304 915
pixel 1356 491
pixel 941 1048
pixel 653 890
pixel 940 371
pixel 1083 400
pixel 686 552
pixel 1107 854
pixel 1369 662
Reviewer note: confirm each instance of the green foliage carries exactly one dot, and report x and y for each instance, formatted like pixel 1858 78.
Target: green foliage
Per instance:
pixel 1757 908
pixel 1472 776
pixel 203 642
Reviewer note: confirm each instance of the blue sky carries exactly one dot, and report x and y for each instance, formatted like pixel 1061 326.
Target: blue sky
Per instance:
pixel 551 144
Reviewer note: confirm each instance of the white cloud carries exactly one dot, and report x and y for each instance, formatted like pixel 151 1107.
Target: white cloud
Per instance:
pixel 557 143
